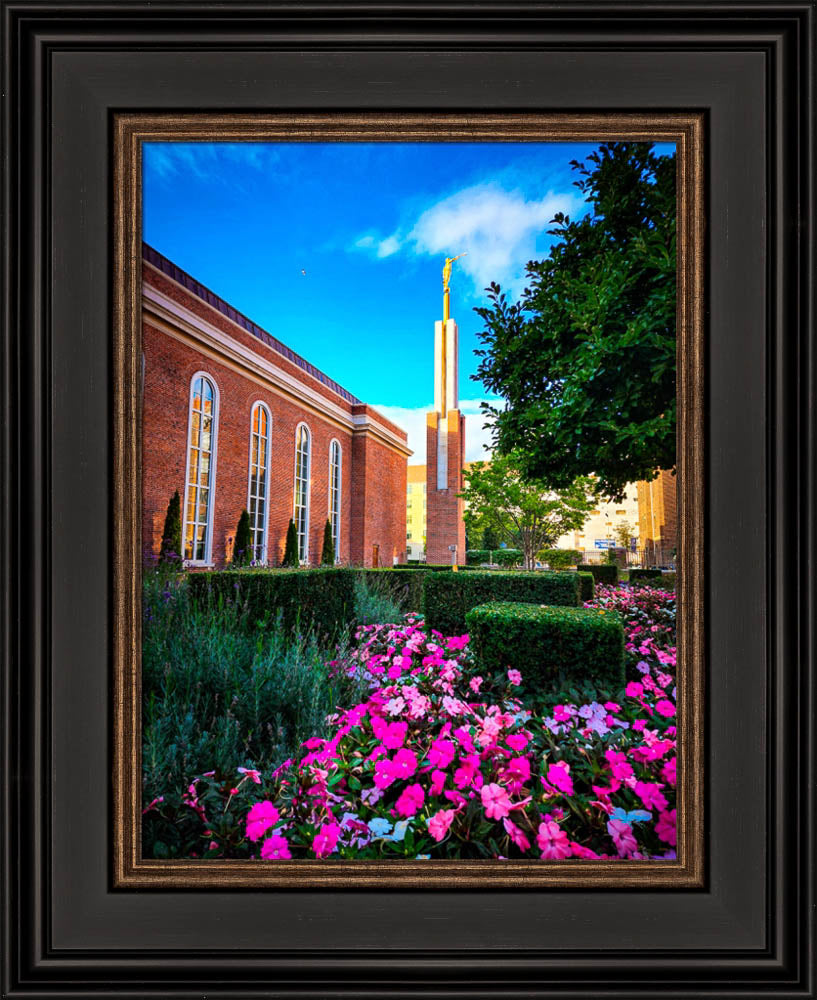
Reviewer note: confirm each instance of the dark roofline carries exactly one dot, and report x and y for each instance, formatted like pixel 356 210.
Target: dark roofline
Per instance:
pixel 202 292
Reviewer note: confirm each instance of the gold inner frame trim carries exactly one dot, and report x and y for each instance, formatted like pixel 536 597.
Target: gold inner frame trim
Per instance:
pixel 130 870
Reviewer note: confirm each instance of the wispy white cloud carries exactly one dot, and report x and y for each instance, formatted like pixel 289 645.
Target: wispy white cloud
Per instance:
pixel 206 160
pixel 413 422
pixel 379 247
pixel 496 227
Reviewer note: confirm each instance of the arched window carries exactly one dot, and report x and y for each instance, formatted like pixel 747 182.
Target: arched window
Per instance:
pixel 201 460
pixel 335 479
pixel 302 469
pixel 259 480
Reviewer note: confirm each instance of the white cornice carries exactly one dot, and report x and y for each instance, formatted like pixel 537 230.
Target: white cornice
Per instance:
pixel 173 315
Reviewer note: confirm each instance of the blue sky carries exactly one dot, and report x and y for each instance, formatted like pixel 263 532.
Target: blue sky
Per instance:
pixel 371 225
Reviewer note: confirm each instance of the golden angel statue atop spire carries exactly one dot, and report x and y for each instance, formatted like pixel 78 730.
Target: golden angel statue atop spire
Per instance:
pixel 447 269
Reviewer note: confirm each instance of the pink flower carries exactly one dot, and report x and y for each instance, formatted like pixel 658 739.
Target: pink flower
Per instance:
pixel 634 689
pixel 383 774
pixel 411 799
pixel 561 714
pixel 516 835
pixel 668 771
pixel 437 782
pixel 495 801
pixel 404 764
pixel 665 707
pixel 475 684
pixel 559 777
pixel 619 764
pixel 275 848
pixel 465 773
pixel 518 741
pixel 582 852
pixel 249 773
pixel 665 828
pixel 515 677
pixel 442 752
pixel 439 823
pixel 518 771
pixel 650 794
pixel 392 734
pixel 552 841
pixel 260 818
pixel 326 840
pixel 622 834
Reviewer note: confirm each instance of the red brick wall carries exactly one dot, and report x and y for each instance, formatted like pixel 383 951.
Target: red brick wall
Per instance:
pixel 444 509
pixel 373 507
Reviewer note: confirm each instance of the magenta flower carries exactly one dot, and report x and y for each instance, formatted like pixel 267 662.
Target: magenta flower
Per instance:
pixel 466 772
pixel 439 823
pixel 668 771
pixel 515 677
pixel 442 752
pixel 634 689
pixel 665 707
pixel 622 834
pixel 404 764
pixel 518 741
pixel 495 801
pixel 516 835
pixel 650 794
pixel 437 782
pixel 552 841
pixel 383 773
pixel 559 777
pixel 275 848
pixel 665 828
pixel 410 800
pixel 392 734
pixel 260 818
pixel 326 840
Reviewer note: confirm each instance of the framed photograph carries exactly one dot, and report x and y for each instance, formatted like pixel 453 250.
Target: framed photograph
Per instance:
pixel 408 500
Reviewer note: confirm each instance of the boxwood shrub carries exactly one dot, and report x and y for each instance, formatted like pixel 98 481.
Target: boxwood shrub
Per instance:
pixel 587 587
pixel 646 575
pixel 449 596
pixel 552 647
pixel 604 573
pixel 319 599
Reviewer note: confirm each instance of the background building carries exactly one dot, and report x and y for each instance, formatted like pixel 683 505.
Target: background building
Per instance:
pixel 658 518
pixel 234 419
pixel 416 506
pixel 607 526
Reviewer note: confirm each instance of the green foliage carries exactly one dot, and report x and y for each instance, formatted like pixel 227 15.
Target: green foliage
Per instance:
pixel 449 596
pixel 322 600
pixel 328 552
pixel 552 647
pixel 383 596
pixel 585 362
pixel 434 567
pixel 171 550
pixel 242 550
pixel 604 573
pixel 525 511
pixel 221 691
pixel 587 587
pixel 291 558
pixel 559 558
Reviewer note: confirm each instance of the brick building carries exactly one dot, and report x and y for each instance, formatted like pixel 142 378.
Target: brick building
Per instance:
pixel 658 518
pixel 233 420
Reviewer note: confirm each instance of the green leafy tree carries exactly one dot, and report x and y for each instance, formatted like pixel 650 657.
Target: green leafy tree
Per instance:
pixel 585 361
pixel 523 511
pixel 171 548
pixel 328 552
pixel 623 533
pixel 242 549
pixel 291 557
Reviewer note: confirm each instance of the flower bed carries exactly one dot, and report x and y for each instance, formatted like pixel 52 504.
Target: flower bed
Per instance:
pixel 442 761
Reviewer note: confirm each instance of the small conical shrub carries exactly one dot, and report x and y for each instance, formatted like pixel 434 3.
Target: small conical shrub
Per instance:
pixel 171 550
pixel 328 552
pixel 242 550
pixel 291 548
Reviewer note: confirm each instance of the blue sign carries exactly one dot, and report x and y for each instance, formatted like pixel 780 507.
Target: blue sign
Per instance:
pixel 604 543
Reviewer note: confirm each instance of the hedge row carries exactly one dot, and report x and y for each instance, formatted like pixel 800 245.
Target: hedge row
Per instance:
pixel 449 596
pixel 587 587
pixel 320 599
pixel 559 558
pixel 604 573
pixel 552 647
pixel 405 588
pixel 500 557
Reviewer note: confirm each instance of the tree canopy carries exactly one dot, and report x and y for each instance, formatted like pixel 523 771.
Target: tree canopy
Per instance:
pixel 585 361
pixel 522 511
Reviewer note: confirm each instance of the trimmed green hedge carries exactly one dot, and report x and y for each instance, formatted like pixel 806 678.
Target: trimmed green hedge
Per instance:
pixel 647 575
pixel 587 587
pixel 449 596
pixel 437 567
pixel 552 647
pixel 604 573
pixel 405 588
pixel 559 558
pixel 323 599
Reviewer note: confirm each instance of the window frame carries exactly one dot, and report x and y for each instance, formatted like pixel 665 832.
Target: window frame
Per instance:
pixel 211 483
pixel 303 424
pixel 260 404
pixel 330 491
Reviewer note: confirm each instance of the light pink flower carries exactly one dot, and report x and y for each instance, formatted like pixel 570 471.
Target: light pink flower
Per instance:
pixel 552 841
pixel 275 848
pixel 439 823
pixel 250 773
pixel 495 801
pixel 475 684
pixel 260 818
pixel 515 677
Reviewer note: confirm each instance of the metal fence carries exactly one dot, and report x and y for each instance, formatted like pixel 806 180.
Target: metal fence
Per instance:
pixel 651 556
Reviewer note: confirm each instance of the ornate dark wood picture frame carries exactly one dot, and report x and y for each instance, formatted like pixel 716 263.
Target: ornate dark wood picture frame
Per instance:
pixel 734 86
